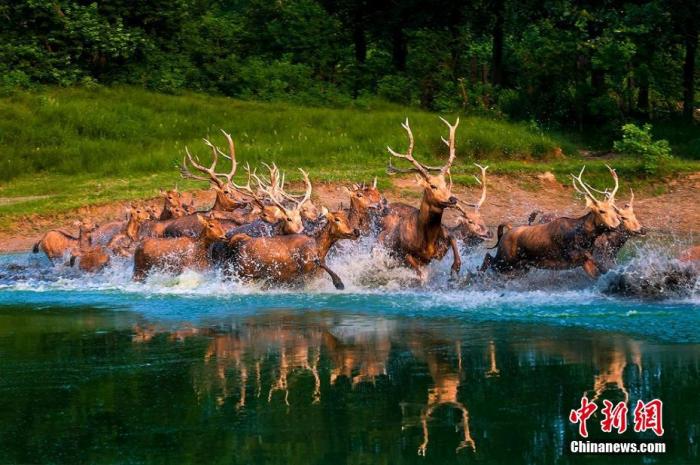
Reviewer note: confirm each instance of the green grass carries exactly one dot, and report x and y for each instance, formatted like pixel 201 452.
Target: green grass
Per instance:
pixel 62 148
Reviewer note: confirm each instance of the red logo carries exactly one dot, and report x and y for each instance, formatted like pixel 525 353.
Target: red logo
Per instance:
pixel 647 416
pixel 581 415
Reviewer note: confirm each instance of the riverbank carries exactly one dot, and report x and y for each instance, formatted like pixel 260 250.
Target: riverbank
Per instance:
pixel 509 200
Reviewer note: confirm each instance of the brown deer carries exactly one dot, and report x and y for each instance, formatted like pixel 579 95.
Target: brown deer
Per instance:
pixel 564 243
pixel 177 253
pixel 471 229
pixel 57 243
pixel 607 245
pixel 124 242
pixel 289 258
pixel 364 201
pixel 90 259
pixel 416 235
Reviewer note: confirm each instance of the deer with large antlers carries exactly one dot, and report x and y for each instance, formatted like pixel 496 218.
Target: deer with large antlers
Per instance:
pixel 290 258
pixel 563 243
pixel 416 235
pixel 471 229
pixel 607 245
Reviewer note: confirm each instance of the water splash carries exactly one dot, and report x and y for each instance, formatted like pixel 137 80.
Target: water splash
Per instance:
pixel 376 283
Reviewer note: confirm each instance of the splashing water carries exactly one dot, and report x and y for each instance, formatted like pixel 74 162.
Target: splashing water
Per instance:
pixel 376 283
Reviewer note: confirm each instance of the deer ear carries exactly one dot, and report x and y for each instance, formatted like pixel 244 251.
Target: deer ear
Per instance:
pixel 346 190
pixel 419 180
pixel 324 212
pixel 201 220
pixel 590 202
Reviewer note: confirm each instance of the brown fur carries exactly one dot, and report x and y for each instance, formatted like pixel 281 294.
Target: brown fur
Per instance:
pixel 289 258
pixel 178 253
pixel 363 201
pixel 124 242
pixel 560 244
pixel 57 243
pixel 416 234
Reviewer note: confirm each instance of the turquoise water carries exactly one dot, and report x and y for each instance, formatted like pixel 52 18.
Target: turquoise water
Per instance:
pixel 187 369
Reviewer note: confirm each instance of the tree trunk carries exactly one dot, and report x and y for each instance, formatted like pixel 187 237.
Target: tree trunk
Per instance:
pixel 643 97
pixel 399 49
pixel 691 47
pixel 497 52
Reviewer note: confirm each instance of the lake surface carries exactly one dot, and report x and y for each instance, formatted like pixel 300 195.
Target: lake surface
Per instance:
pixel 194 369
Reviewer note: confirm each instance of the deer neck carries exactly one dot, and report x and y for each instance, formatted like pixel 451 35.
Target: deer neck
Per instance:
pixel 325 240
pixel 357 215
pixel 132 229
pixel 429 221
pixel 202 244
pixel 84 239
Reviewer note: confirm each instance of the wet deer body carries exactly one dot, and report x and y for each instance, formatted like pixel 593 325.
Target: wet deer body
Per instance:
pixel 416 235
pixel 289 258
pixel 607 245
pixel 179 253
pixel 563 243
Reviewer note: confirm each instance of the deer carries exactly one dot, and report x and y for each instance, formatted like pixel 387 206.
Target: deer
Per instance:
pixel 416 235
pixel 57 243
pixel 124 242
pixel 177 253
pixel 607 245
pixel 365 202
pixel 290 258
pixel 362 359
pixel 471 229
pixel 564 243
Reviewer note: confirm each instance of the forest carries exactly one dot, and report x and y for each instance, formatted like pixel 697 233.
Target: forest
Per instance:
pixel 588 65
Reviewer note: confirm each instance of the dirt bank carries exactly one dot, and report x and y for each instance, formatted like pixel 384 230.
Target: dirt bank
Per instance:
pixel 509 200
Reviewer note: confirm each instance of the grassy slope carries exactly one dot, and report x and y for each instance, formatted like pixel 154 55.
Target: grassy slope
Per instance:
pixel 64 148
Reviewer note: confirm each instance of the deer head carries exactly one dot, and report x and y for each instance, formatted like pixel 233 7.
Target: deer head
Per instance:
pixel 340 225
pixel 213 231
pixel 138 214
pixel 171 198
pixel 437 188
pixel 471 220
pixel 364 197
pixel 604 213
pixel 626 213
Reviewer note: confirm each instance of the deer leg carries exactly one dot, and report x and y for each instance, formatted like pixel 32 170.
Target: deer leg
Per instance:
pixel 337 282
pixel 488 261
pixel 457 263
pixel 416 265
pixel 591 268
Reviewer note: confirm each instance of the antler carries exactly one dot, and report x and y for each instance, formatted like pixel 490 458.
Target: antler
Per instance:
pixel 586 189
pixel 417 167
pixel 247 190
pixel 450 144
pixel 611 196
pixel 213 176
pixel 309 187
pixel 482 199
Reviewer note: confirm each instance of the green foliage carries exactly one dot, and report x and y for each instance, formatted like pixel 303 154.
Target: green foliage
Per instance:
pixel 563 63
pixel 59 150
pixel 639 142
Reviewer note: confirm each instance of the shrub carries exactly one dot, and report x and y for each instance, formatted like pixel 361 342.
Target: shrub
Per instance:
pixel 639 141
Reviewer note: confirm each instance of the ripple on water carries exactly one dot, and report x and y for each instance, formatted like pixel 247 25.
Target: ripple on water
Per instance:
pixel 374 283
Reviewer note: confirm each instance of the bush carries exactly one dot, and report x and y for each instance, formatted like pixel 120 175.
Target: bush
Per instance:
pixel 639 141
pixel 395 88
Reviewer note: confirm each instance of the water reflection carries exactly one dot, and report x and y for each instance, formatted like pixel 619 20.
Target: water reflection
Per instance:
pixel 322 387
